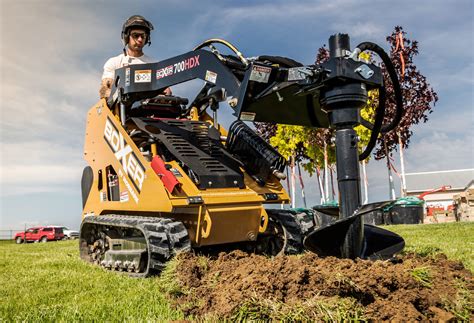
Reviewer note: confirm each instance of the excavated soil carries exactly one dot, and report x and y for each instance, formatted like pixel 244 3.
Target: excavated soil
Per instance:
pixel 238 285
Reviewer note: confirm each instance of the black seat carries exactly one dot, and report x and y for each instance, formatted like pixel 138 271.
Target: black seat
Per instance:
pixel 161 106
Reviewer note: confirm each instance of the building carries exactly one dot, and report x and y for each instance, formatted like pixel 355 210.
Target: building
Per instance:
pixel 459 181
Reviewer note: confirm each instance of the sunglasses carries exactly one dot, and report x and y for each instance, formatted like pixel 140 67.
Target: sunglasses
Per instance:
pixel 135 36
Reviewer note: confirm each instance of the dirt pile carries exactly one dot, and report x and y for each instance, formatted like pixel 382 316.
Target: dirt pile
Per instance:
pixel 238 285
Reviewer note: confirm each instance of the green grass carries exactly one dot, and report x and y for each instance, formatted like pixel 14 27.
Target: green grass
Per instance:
pixel 456 240
pixel 48 282
pixel 462 305
pixel 327 309
pixel 422 275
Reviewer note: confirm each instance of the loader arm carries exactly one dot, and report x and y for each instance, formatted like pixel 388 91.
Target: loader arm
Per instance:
pixel 260 91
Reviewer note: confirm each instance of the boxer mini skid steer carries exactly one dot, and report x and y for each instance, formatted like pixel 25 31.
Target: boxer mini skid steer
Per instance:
pixel 164 176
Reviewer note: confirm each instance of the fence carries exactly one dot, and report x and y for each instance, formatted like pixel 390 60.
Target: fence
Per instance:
pixel 8 234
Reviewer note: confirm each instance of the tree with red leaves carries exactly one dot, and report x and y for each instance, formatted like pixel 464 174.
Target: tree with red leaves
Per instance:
pixel 419 97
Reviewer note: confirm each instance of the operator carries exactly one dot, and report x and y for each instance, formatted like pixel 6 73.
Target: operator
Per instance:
pixel 135 35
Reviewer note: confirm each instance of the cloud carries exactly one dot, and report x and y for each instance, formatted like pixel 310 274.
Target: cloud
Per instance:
pixel 360 29
pixel 51 64
pixel 438 152
pixel 454 119
pixel 39 166
pixel 46 90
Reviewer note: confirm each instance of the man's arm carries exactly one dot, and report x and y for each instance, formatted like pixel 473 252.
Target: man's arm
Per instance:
pixel 108 77
pixel 105 88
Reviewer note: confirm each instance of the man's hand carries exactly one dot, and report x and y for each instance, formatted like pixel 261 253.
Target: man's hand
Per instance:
pixel 105 88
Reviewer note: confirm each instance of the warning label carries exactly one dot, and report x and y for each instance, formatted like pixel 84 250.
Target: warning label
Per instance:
pixel 143 76
pixel 260 74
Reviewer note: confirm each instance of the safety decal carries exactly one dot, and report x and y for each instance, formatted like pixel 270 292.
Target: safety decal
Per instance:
pixel 127 76
pixel 260 74
pixel 211 77
pixel 247 116
pixel 142 76
pixel 124 196
pixel 297 74
pixel 103 196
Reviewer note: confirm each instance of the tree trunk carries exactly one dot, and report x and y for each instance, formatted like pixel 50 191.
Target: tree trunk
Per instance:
pixel 326 179
pixel 403 186
pixel 391 186
pixel 301 184
pixel 366 183
pixel 320 185
pixel 293 184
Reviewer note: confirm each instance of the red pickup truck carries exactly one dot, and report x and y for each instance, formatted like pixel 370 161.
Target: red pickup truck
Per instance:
pixel 42 234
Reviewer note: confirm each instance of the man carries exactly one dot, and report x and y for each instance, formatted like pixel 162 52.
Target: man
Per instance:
pixel 135 35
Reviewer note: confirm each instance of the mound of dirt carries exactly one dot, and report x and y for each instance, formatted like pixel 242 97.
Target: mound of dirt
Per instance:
pixel 240 285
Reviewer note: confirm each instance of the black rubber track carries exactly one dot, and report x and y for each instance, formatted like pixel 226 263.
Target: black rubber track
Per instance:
pixel 165 237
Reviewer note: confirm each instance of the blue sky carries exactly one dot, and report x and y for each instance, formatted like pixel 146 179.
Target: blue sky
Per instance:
pixel 53 52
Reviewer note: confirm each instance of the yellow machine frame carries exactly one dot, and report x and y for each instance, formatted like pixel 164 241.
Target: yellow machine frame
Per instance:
pixel 224 216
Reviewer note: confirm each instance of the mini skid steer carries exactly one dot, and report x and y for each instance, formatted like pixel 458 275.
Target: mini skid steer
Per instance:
pixel 164 176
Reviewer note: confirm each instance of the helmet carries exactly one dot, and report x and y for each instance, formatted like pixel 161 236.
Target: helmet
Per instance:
pixel 136 21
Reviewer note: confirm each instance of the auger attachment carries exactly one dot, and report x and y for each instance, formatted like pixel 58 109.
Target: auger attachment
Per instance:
pixel 343 95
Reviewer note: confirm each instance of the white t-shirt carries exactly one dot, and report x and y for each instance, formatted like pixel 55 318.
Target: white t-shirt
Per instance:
pixel 120 61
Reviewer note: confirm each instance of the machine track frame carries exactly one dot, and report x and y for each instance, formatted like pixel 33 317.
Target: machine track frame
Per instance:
pixel 164 238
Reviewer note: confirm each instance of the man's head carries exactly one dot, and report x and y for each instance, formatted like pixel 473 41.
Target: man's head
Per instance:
pixel 137 39
pixel 136 32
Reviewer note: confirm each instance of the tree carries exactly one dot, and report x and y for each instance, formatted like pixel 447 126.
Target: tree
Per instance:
pixel 266 130
pixel 418 96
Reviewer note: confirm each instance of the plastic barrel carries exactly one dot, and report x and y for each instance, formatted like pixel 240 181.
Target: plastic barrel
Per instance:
pixel 406 214
pixel 378 215
pixel 374 218
pixel 322 219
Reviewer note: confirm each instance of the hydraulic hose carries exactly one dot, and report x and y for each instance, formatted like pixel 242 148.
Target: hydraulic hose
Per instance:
pixel 226 43
pixel 396 87
pixel 376 127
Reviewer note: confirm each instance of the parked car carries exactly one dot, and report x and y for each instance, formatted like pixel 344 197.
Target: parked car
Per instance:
pixel 70 234
pixel 42 234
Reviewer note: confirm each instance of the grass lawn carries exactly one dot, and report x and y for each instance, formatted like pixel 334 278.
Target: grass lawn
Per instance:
pixel 48 282
pixel 456 240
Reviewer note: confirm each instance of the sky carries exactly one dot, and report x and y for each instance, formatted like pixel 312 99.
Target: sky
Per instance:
pixel 52 55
